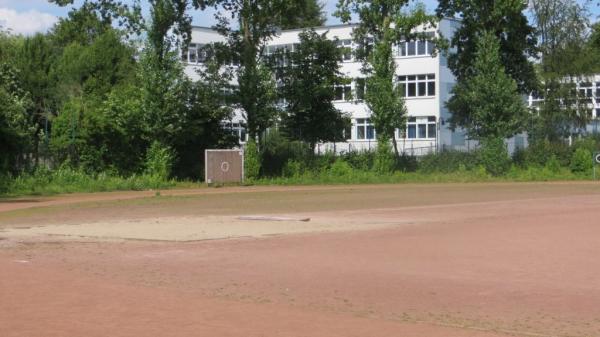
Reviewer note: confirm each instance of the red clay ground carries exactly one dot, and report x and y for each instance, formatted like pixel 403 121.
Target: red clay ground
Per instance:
pixel 455 261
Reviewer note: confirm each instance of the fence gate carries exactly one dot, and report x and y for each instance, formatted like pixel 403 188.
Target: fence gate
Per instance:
pixel 223 166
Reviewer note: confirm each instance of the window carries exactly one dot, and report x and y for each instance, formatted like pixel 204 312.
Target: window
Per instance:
pixel 597 113
pixel 360 88
pixel 416 48
pixel 421 128
pixel 597 89
pixel 343 92
pixel 238 130
pixel 195 53
pixel 347 45
pixel 417 85
pixel 364 129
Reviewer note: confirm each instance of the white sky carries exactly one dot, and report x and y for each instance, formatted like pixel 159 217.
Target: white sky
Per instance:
pixel 31 16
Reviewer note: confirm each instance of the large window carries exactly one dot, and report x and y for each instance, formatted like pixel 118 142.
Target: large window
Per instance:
pixel 417 85
pixel 421 128
pixel 343 92
pixel 347 45
pixel 194 54
pixel 415 48
pixel 364 129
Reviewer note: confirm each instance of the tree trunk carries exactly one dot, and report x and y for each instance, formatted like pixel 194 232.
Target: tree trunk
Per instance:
pixel 395 145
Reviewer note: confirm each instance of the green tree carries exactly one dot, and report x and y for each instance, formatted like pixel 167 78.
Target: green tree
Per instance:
pixel 487 103
pixel 259 21
pixel 309 13
pixel 16 128
pixel 507 20
pixel 384 23
pixel 36 58
pixel 566 58
pixel 309 79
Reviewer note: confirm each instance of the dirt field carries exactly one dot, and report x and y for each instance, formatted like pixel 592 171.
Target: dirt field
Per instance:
pixel 401 260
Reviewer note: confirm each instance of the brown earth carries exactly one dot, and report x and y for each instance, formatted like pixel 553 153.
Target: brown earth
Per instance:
pixel 398 260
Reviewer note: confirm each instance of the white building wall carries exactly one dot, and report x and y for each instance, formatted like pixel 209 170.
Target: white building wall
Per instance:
pixel 419 108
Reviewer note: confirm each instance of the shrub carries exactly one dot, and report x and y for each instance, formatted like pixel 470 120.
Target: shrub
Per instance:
pixel 538 153
pixel 340 169
pixel 581 162
pixel 493 156
pixel 448 161
pixel 385 161
pixel 553 165
pixel 276 150
pixel 293 168
pixel 360 160
pixel 251 161
pixel 159 161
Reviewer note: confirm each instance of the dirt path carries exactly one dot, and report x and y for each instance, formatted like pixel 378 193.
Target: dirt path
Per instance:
pixel 467 260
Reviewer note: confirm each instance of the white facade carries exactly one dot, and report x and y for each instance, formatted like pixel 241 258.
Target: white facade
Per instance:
pixel 426 79
pixel 589 88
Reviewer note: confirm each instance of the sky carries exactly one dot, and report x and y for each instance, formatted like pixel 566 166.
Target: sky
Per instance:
pixel 31 16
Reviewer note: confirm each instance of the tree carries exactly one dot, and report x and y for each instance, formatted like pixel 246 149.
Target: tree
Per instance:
pixel 507 20
pixel 382 24
pixel 309 14
pixel 566 58
pixel 308 88
pixel 487 102
pixel 15 125
pixel 259 21
pixel 35 60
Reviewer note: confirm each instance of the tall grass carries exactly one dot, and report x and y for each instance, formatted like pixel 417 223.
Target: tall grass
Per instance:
pixel 67 180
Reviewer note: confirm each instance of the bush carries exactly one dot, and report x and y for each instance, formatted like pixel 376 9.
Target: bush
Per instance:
pixel 493 156
pixel 293 168
pixel 553 165
pixel 276 150
pixel 581 162
pixel 251 161
pixel 538 153
pixel 360 160
pixel 448 161
pixel 159 161
pixel 340 168
pixel 385 162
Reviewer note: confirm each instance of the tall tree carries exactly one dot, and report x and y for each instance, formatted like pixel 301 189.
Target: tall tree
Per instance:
pixel 309 14
pixel 487 103
pixel 382 24
pixel 566 58
pixel 507 20
pixel 16 127
pixel 308 88
pixel 258 21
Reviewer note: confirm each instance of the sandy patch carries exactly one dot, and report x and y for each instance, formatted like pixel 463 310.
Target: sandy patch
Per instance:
pixel 199 228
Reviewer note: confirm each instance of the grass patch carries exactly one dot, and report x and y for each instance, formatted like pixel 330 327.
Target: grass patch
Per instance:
pixel 66 180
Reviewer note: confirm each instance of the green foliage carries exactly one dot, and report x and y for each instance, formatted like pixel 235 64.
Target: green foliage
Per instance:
pixel 494 157
pixel 384 23
pixel 487 103
pixel 307 13
pixel 276 150
pixel 309 78
pixel 538 153
pixel 582 161
pixel 293 168
pixel 340 169
pixel 159 161
pixel 448 161
pixel 553 165
pixel 64 179
pixel 251 160
pixel 509 23
pixel 16 127
pixel 385 161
